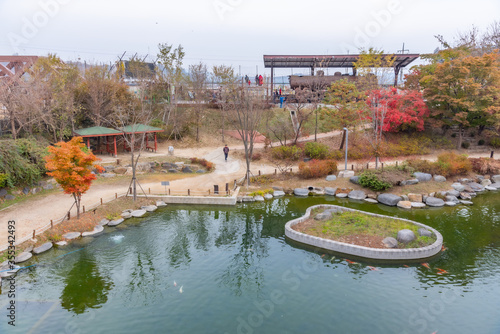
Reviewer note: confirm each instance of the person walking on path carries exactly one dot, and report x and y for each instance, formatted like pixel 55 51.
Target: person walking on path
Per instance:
pixel 226 151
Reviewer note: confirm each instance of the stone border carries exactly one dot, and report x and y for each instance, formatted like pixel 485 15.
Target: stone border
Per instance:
pixel 361 251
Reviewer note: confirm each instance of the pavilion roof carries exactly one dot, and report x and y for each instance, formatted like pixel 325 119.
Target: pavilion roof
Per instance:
pixel 140 128
pixel 97 131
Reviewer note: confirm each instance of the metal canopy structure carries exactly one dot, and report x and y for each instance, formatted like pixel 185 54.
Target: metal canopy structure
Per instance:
pixel 13 67
pixel 330 61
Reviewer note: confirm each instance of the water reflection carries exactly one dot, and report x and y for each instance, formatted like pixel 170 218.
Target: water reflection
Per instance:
pixel 85 287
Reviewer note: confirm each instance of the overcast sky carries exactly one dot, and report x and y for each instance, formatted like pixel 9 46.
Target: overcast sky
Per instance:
pixel 232 32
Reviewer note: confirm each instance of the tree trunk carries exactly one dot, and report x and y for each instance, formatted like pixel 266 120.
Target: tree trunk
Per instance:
pixel 316 127
pixel 343 140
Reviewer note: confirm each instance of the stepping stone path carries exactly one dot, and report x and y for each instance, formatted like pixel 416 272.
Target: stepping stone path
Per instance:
pixel 138 213
pixel 116 222
pixel 97 230
pixel 149 208
pixel 43 248
pixel 71 235
pixel 25 256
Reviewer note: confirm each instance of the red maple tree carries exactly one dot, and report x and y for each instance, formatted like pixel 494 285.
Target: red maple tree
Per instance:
pixel 70 164
pixel 403 110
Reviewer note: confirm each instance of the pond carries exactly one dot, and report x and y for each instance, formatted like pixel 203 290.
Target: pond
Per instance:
pixel 239 274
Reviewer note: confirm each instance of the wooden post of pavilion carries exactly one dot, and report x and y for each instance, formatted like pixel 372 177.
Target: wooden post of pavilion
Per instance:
pixel 156 145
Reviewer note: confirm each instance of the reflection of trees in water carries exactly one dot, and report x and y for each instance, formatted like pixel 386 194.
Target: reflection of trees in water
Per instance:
pixel 245 271
pixel 85 287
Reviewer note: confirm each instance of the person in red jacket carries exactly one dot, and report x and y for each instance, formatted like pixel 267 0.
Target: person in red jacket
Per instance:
pixel 261 80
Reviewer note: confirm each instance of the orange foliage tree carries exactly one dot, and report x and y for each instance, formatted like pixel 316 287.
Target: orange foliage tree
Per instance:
pixel 70 164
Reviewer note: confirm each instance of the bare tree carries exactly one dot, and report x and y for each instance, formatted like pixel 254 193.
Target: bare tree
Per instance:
pixel 198 78
pixel 224 76
pixel 244 113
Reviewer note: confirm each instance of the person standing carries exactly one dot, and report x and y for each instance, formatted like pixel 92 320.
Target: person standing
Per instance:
pixel 257 79
pixel 226 151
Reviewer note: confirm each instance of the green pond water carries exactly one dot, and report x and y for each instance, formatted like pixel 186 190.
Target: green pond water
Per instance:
pixel 239 274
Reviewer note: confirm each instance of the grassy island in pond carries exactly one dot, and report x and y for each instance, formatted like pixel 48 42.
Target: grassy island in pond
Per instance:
pixel 360 229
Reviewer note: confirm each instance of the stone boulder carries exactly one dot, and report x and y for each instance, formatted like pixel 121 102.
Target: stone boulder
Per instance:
pixel 3 192
pixel 172 170
pixel 495 185
pixel 495 178
pixel 415 197
pixel 404 204
pixel 268 196
pixel 390 242
pixel 466 202
pixel 439 178
pixel 126 215
pixel 331 178
pixel 143 167
pixel 434 201
pixel 72 235
pixel 422 177
pixel 107 175
pixel 187 169
pixel 417 205
pixel 485 182
pixel 43 248
pixel 316 191
pixel 354 179
pixel 97 230
pixel 453 193
pixel 466 196
pixel 490 188
pixel 247 199
pixel 410 182
pixel 149 208
pixel 4 272
pixel 341 195
pixel 389 199
pixel 138 213
pixel 120 170
pixel 330 191
pixel 48 186
pixel 103 222
pixel 200 171
pixel 357 194
pixel 449 203
pixel 423 232
pixel 476 187
pixel 24 256
pixel 449 198
pixel 160 203
pixel 345 174
pixel 116 222
pixel 278 193
pixel 26 190
pixel 258 198
pixel 370 200
pixel 301 192
pixel 9 197
pixel 61 243
pixel 405 236
pixel 458 186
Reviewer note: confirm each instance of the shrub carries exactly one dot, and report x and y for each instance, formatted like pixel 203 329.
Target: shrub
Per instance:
pixel 451 164
pixel 207 164
pixel 317 168
pixel 22 161
pixel 484 166
pixel 316 150
pixel 3 180
pixel 465 144
pixel 372 181
pixel 480 142
pixel 424 166
pixel 495 142
pixel 256 156
pixel 286 152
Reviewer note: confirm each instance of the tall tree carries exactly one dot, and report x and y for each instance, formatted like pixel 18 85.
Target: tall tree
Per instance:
pixel 224 76
pixel 198 76
pixel 373 67
pixel 345 104
pixel 70 164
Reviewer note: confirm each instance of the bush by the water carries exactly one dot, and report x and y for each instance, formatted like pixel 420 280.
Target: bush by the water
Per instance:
pixel 373 181
pixel 448 164
pixel 317 168
pixel 22 161
pixel 315 150
pixel 286 152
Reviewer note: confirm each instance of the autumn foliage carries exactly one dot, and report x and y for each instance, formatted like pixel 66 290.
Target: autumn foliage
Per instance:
pixel 404 110
pixel 70 164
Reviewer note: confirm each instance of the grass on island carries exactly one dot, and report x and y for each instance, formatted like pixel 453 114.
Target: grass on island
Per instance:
pixel 348 223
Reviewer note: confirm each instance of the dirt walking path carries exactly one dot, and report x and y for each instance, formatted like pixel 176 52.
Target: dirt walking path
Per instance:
pixel 35 214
